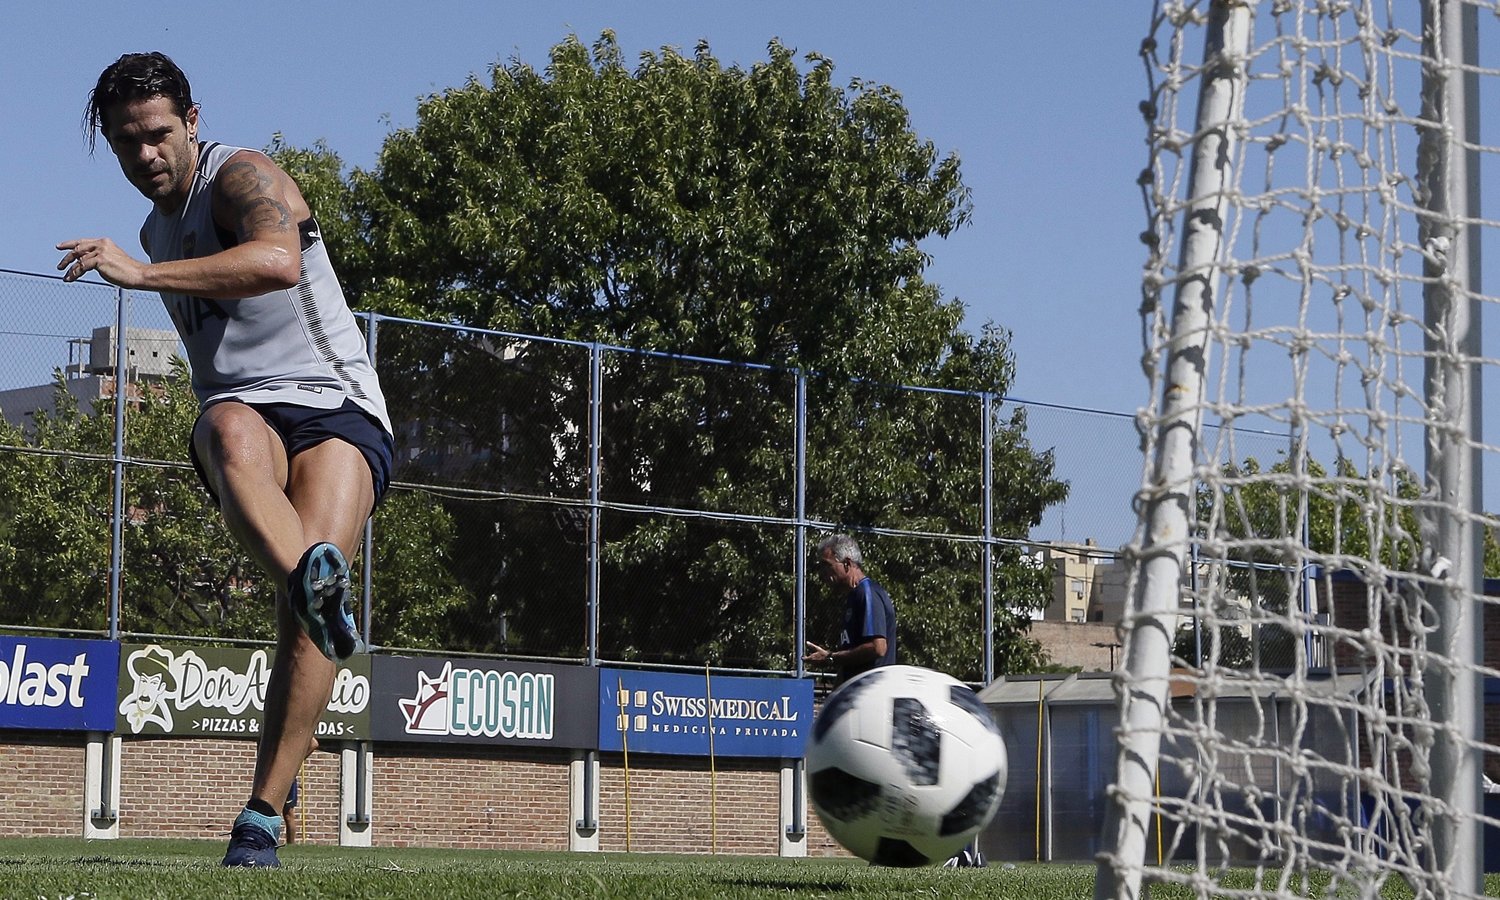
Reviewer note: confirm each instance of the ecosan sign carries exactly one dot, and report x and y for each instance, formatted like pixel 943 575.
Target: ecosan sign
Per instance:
pixel 57 684
pixel 695 715
pixel 480 701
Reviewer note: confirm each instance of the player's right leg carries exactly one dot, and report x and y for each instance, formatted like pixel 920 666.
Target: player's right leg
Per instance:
pixel 244 463
pixel 331 490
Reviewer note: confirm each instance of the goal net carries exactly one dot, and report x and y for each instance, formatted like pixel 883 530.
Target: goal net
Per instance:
pixel 1302 699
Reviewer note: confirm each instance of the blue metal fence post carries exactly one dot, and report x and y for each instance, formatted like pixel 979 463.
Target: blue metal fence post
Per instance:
pixel 986 553
pixel 596 437
pixel 117 517
pixel 372 325
pixel 588 823
pixel 797 829
pixel 799 505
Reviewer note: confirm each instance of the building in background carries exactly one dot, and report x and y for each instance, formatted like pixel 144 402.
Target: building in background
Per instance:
pixel 89 375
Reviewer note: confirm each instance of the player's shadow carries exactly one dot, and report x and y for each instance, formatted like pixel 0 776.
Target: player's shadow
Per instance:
pixel 116 861
pixel 90 861
pixel 788 885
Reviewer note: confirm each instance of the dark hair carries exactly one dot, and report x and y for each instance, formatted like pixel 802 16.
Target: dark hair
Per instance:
pixel 135 76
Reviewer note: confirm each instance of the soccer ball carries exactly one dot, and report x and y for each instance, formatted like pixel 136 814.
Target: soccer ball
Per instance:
pixel 905 765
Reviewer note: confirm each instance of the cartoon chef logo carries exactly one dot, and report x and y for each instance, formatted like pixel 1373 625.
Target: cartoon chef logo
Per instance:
pixel 154 684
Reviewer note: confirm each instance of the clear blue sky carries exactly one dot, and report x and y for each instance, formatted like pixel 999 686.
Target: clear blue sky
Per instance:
pixel 1038 99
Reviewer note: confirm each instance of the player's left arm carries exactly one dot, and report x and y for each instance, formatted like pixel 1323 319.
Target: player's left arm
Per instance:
pixel 871 649
pixel 816 654
pixel 256 201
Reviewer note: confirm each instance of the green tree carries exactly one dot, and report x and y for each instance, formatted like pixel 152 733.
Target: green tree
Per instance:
pixel 54 520
pixel 765 215
pixel 182 573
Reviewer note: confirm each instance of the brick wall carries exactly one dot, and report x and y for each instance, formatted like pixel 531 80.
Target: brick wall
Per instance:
pixel 41 784
pixel 1092 646
pixel 193 788
pixel 172 787
pixel 424 795
pixel 672 804
pixel 1347 598
pixel 470 796
pixel 819 841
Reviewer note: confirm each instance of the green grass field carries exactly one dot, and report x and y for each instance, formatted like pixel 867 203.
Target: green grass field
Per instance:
pixel 56 868
pixel 81 870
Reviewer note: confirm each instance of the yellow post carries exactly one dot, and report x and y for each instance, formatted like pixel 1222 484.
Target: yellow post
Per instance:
pixel 302 803
pixel 713 772
pixel 1158 814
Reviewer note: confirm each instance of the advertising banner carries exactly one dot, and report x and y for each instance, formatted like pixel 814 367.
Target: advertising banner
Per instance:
pixel 479 701
pixel 695 715
pixel 58 684
pixel 221 692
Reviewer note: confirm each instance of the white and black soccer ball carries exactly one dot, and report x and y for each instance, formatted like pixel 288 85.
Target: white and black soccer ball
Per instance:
pixel 905 765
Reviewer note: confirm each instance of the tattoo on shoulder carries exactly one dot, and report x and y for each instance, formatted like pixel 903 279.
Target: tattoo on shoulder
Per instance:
pixel 248 198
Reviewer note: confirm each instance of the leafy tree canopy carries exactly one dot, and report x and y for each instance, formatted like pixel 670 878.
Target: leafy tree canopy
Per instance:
pixel 182 572
pixel 766 215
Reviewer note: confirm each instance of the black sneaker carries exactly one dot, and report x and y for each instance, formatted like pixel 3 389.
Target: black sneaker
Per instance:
pixel 252 843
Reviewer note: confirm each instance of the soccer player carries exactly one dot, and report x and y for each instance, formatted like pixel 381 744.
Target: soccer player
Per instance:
pixel 868 638
pixel 292 440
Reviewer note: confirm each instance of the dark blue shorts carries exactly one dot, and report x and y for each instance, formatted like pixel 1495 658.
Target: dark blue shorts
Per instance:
pixel 302 427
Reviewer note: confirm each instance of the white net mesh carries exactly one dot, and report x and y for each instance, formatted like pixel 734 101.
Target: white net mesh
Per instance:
pixel 1314 269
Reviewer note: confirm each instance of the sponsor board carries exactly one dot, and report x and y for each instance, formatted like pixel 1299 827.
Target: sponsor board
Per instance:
pixel 221 692
pixel 484 702
pixel 692 715
pixel 57 684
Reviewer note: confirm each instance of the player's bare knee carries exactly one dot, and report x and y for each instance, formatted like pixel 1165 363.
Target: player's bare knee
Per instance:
pixel 235 443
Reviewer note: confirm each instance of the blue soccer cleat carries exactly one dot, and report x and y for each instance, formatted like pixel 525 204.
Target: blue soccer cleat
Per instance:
pixel 252 843
pixel 319 589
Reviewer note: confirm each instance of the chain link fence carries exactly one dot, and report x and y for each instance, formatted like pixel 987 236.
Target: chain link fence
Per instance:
pixel 551 499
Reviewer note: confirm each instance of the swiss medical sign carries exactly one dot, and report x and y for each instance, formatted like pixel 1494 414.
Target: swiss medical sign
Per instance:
pixel 480 701
pixel 221 692
pixel 695 715
pixel 57 684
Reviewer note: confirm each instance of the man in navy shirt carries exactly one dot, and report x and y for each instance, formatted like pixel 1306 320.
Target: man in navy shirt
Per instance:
pixel 868 638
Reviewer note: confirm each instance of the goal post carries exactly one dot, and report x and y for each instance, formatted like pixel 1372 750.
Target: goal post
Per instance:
pixel 1168 502
pixel 1454 467
pixel 1313 268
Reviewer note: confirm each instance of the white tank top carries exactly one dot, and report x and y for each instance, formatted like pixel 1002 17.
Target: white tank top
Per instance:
pixel 301 345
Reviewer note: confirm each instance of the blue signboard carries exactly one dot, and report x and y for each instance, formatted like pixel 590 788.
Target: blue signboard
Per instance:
pixel 695 715
pixel 57 684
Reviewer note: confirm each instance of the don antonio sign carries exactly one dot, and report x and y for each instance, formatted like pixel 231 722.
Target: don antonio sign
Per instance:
pixel 221 692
